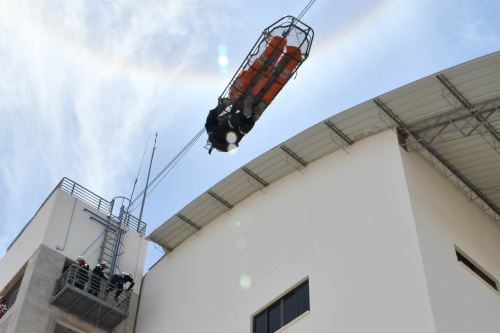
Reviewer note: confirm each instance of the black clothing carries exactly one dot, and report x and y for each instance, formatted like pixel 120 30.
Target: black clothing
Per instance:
pixel 3 309
pixel 119 280
pixel 218 130
pixel 82 275
pixel 95 280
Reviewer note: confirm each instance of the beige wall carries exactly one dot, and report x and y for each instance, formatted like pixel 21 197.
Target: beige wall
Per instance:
pixel 26 244
pixel 344 222
pixel 446 218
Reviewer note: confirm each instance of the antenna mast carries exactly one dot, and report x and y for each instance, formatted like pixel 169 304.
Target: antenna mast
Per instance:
pixel 147 180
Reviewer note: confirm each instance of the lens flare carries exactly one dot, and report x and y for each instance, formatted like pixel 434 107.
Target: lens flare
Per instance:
pixel 245 282
pixel 231 137
pixel 222 49
pixel 232 148
pixel 223 60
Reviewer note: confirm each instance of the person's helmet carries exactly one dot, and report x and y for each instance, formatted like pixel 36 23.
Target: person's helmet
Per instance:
pixel 104 264
pixel 2 298
pixel 80 258
pixel 127 274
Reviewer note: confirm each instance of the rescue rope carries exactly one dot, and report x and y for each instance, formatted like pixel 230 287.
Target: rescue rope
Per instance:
pixel 170 165
pixel 306 8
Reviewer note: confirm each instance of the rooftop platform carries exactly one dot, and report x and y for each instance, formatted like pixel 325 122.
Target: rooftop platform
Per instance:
pixel 90 298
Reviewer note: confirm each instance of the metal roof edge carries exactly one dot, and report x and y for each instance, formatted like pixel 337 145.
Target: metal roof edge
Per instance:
pixel 328 121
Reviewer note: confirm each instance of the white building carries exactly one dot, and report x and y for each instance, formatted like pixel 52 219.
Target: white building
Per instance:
pixel 389 212
pixel 383 218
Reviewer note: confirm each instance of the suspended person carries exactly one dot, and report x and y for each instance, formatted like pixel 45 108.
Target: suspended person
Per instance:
pixel 118 280
pixel 97 276
pixel 3 306
pixel 82 274
pixel 264 72
pixel 226 131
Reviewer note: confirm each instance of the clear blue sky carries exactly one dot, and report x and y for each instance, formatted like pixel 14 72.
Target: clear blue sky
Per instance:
pixel 84 84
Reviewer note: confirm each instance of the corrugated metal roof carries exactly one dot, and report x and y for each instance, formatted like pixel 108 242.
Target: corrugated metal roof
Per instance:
pixel 452 118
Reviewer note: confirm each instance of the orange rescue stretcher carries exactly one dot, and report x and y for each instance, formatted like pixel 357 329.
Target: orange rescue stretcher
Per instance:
pixel 273 60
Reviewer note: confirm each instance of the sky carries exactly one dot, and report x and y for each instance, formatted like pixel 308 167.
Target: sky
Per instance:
pixel 84 85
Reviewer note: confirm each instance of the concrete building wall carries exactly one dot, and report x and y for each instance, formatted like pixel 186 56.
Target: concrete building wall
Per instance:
pixel 64 224
pixel 27 242
pixel 344 222
pixel 445 218
pixel 133 259
pixel 71 231
pixel 64 227
pixel 33 311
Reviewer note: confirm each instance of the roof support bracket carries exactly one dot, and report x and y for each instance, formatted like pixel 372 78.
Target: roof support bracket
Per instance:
pixel 480 199
pixel 469 106
pixel 255 176
pixel 294 156
pixel 220 199
pixel 189 221
pixel 458 123
pixel 340 134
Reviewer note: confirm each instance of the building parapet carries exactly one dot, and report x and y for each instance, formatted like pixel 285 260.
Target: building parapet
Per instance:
pixel 99 203
pixel 95 201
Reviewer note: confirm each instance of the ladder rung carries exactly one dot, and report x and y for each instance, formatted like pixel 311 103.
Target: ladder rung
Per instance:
pixel 109 249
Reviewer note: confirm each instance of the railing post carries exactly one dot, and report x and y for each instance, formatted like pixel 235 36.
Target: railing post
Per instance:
pixel 73 188
pixel 99 204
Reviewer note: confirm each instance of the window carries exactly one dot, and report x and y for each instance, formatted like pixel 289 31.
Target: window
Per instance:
pixel 12 289
pixel 475 268
pixel 283 311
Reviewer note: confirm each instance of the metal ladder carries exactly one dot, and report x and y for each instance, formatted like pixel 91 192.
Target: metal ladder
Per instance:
pixel 112 245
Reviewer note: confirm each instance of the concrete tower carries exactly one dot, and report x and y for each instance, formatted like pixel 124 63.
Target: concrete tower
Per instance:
pixel 46 291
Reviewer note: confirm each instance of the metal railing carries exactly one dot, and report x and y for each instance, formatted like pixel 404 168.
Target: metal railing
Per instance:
pixel 93 285
pixel 99 203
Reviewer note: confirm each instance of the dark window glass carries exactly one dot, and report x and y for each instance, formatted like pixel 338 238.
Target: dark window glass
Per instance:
pixel 476 270
pixel 283 311
pixel 302 295
pixel 260 323
pixel 289 308
pixel 275 317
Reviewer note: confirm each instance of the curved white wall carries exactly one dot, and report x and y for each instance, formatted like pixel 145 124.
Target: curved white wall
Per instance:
pixel 344 222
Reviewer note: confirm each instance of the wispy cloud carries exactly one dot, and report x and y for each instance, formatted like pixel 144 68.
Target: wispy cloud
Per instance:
pixel 474 24
pixel 81 86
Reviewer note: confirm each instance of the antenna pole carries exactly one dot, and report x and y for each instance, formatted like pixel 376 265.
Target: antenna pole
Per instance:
pixel 147 182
